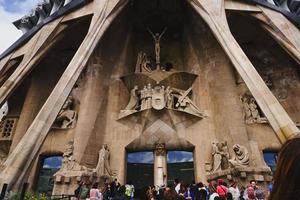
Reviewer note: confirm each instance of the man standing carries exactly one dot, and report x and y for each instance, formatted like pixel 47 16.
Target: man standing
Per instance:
pixel 177 185
pixel 249 193
pixel 129 190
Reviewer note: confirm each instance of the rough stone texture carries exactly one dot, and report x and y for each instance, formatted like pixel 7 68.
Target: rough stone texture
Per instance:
pixel 202 45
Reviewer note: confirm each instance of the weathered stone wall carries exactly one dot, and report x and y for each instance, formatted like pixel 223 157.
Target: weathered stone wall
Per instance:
pixel 101 95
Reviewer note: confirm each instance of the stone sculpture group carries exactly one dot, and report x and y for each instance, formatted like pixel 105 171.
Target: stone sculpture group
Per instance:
pixel 159 97
pixel 251 109
pixel 69 163
pixel 221 156
pixel 66 117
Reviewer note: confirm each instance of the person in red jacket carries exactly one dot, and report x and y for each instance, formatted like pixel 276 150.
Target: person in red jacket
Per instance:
pixel 221 189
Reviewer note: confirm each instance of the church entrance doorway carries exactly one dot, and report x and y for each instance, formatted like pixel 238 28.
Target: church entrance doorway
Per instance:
pixel 49 165
pixel 180 165
pixel 140 171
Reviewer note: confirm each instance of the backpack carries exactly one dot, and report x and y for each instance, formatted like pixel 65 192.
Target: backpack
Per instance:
pixel 84 191
pixel 128 190
pixel 259 194
pixel 77 191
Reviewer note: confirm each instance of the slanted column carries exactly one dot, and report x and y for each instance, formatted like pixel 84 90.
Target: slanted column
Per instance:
pixel 91 101
pixel 160 165
pixel 281 29
pixel 20 160
pixel 214 15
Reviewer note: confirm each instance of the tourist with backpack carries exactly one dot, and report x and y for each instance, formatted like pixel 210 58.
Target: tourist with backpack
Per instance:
pixel 129 190
pixel 84 192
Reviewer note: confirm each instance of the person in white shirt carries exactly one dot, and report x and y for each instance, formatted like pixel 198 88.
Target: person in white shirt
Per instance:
pixel 177 185
pixel 95 193
pixel 234 190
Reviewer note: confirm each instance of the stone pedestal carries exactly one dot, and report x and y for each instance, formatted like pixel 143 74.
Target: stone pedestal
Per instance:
pixel 160 165
pixel 66 181
pixel 243 174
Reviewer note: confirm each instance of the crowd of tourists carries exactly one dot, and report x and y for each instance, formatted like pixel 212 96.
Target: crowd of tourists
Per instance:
pixel 111 191
pixel 216 190
pixel 285 187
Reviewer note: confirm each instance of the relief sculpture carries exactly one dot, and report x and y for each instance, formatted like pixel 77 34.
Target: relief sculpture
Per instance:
pixel 103 164
pixel 66 117
pixel 222 160
pixel 162 88
pixel 160 97
pixel 241 156
pixel 157 38
pixel 220 154
pixel 251 111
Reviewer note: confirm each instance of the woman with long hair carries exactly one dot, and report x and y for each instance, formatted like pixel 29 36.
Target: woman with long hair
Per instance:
pixel 287 175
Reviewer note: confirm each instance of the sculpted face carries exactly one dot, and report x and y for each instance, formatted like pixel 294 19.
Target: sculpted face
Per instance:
pixel 237 149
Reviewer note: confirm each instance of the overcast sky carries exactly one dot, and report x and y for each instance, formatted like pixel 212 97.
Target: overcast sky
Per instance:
pixel 11 10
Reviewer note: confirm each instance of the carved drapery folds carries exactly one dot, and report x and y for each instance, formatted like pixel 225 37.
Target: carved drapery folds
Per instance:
pixel 159 89
pixel 156 86
pixel 252 113
pixel 71 169
pixel 221 159
pixel 159 97
pixel 66 117
pixel 103 166
pixel 220 156
pixel 143 63
pixel 69 163
pixel 241 156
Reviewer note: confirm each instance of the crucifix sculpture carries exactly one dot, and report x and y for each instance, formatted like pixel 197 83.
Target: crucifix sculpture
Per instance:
pixel 156 38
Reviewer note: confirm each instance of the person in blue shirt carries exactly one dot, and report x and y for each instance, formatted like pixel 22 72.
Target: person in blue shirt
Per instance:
pixel 189 194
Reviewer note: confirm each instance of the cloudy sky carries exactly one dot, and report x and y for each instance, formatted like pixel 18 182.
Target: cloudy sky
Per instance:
pixel 11 10
pixel 172 156
pixel 52 162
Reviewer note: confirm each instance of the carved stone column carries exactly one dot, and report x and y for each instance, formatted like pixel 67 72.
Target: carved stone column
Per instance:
pixel 160 165
pixel 20 160
pixel 91 100
pixel 214 16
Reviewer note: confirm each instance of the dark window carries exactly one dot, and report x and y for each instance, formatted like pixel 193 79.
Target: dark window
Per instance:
pixel 180 166
pixel 49 166
pixel 140 171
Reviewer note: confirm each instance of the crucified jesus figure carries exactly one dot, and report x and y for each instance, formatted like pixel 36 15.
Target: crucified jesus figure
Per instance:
pixel 156 38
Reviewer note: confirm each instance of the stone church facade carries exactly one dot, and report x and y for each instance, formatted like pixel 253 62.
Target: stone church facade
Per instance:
pixel 92 81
